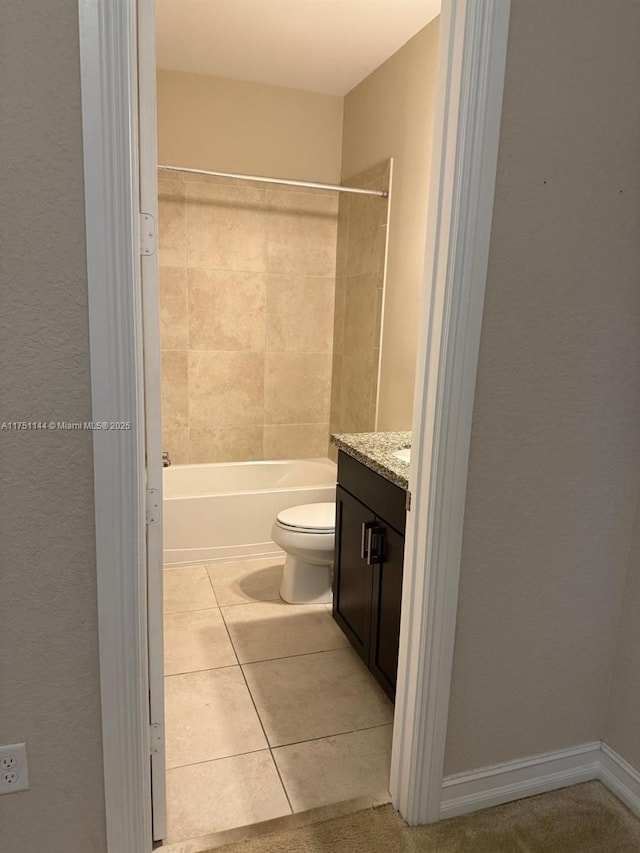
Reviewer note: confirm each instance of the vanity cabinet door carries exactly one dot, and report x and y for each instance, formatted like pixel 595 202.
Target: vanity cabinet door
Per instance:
pixel 353 577
pixel 385 608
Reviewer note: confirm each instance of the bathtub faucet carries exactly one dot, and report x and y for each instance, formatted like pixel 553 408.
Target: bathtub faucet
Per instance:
pixel 165 459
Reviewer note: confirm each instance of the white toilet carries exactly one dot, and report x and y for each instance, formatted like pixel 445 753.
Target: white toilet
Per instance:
pixel 307 535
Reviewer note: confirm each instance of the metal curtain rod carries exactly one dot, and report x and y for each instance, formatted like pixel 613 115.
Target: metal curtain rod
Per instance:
pixel 309 184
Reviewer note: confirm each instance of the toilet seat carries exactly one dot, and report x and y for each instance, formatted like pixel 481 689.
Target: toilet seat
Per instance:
pixel 309 518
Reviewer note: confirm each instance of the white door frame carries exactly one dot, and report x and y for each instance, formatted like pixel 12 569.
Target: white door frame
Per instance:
pixel 472 58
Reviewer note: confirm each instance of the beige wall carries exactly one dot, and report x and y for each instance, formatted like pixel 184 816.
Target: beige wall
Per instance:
pixel 360 264
pixel 555 456
pixel 48 624
pixel 390 114
pixel 623 720
pixel 247 282
pixel 250 128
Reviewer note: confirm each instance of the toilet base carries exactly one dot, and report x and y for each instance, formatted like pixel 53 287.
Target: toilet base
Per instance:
pixel 305 583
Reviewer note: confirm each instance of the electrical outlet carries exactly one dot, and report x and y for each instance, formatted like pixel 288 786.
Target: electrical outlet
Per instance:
pixel 14 773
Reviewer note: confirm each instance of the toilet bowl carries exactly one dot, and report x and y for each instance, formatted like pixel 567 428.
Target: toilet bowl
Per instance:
pixel 307 535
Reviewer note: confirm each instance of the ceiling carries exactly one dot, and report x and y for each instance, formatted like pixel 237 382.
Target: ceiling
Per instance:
pixel 324 46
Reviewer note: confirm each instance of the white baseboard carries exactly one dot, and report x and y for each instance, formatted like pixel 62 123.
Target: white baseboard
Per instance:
pixel 514 780
pixel 620 778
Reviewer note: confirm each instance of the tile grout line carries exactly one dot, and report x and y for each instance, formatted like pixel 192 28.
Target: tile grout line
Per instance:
pixel 335 734
pixel 244 677
pixel 297 655
pixel 224 621
pixel 264 732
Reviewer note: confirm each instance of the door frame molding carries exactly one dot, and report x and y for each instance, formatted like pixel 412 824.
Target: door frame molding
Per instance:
pixel 468 109
pixel 473 38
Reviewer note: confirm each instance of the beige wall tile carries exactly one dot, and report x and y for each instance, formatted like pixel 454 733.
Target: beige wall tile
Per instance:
pixel 335 415
pixel 302 230
pixel 338 315
pixel 226 310
pixel 193 178
pixel 174 325
pixel 171 224
pixel 297 388
pixel 367 235
pixel 342 236
pixel 176 442
pixel 361 316
pixel 356 394
pixel 295 441
pixel 299 313
pixel 226 388
pixel 226 227
pixel 167 178
pixel 228 444
pixel 175 399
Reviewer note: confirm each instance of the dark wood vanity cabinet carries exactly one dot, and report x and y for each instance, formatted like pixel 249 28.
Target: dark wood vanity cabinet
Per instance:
pixel 367 581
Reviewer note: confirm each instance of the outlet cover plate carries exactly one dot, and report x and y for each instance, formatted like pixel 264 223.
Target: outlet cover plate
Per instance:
pixel 14 773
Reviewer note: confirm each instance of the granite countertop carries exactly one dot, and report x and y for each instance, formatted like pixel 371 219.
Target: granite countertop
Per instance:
pixel 375 450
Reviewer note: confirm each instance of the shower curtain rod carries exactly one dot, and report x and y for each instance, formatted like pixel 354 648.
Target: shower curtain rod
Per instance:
pixel 309 184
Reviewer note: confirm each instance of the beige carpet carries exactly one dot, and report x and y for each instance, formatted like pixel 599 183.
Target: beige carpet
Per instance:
pixel 581 819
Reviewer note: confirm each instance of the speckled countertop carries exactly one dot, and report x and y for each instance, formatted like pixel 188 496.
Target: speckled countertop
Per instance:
pixel 375 450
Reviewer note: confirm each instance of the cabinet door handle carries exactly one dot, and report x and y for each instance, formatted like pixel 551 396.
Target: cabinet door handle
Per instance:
pixel 374 546
pixel 365 540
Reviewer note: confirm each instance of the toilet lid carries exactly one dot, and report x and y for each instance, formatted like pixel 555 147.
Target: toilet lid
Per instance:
pixel 310 517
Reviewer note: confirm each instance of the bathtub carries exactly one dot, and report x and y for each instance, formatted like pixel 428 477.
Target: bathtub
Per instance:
pixel 225 510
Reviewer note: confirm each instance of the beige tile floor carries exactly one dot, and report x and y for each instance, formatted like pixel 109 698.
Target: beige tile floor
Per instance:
pixel 269 711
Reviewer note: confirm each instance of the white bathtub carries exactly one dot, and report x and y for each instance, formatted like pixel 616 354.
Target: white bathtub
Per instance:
pixel 224 511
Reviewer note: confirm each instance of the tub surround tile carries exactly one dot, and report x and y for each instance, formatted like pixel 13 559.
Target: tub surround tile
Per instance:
pixel 226 388
pixel 299 313
pixel 361 316
pixel 223 794
pixel 226 227
pixel 225 444
pixel 174 324
pixel 196 640
pixel 297 388
pixel 227 310
pixel 362 230
pixel 168 177
pixel 219 303
pixel 355 393
pixel 187 589
pixel 210 715
pixel 375 450
pixel 345 696
pixel 296 441
pixel 246 581
pixel 339 315
pixel 273 629
pixel 172 235
pixel 342 237
pixel 175 388
pixel 367 235
pixel 334 769
pixel 302 233
pixel 175 440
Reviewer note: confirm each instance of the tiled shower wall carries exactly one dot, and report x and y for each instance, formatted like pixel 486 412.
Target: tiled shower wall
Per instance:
pixel 247 285
pixel 361 252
